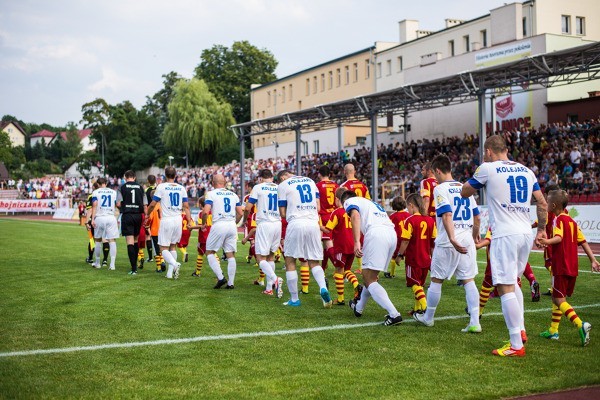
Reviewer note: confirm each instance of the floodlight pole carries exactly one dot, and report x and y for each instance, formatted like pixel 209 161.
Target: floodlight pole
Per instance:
pixel 405 127
pixel 374 163
pixel 298 153
pixel 339 126
pixel 242 163
pixel 482 133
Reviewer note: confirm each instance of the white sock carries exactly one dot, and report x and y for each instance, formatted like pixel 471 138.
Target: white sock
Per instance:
pixel 231 268
pixel 434 294
pixel 292 283
pixel 472 296
pixel 215 265
pixel 112 249
pixel 381 297
pixel 519 294
pixel 174 254
pixel 269 273
pixel 98 252
pixel 319 276
pixel 510 310
pixel 364 297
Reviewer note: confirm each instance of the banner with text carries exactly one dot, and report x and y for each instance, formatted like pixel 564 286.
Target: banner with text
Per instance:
pixel 46 205
pixel 586 216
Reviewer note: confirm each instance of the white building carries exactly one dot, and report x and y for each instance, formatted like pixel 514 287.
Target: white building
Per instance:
pixel 508 33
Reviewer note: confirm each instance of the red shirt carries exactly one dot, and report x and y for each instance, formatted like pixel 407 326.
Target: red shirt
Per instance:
pixel 420 231
pixel 427 186
pixel 341 231
pixel 203 235
pixel 327 190
pixel 248 224
pixel 397 218
pixel 357 187
pixel 564 254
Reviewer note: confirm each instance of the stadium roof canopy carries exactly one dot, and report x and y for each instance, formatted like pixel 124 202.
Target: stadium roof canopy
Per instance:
pixel 564 67
pixel 558 68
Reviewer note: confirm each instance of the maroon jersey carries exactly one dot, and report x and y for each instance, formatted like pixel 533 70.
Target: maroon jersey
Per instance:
pixel 397 218
pixel 564 254
pixel 420 231
pixel 427 186
pixel 341 231
pixel 248 224
pixel 327 190
pixel 357 187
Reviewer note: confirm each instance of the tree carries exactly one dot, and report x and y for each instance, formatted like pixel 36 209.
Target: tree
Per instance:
pixel 96 116
pixel 230 72
pixel 198 122
pixel 6 153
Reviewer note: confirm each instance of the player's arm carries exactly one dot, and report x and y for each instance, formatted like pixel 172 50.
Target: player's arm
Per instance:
pixel 476 227
pixel 249 235
pixel 405 235
pixel 477 182
pixel 556 239
pixel 119 199
pixel 542 213
pixel 467 190
pixel 205 213
pixel 188 214
pixel 151 207
pixel 355 221
pixel 482 243
pixel 588 250
pixel 239 210
pixel 94 210
pixel 449 226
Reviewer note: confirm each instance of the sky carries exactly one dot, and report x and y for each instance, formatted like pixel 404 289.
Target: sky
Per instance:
pixel 57 55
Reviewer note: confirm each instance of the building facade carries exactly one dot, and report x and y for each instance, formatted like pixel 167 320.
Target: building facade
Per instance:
pixel 15 133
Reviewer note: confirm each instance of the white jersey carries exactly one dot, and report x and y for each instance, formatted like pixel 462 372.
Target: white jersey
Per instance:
pixel 264 196
pixel 223 203
pixel 107 201
pixel 509 187
pixel 171 196
pixel 300 196
pixel 372 215
pixel 448 200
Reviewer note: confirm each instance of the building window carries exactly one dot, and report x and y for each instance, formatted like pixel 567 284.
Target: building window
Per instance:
pixel 388 67
pixel 347 71
pixel 316 146
pixel 275 97
pixel 400 66
pixel 283 94
pixel 580 25
pixel 322 82
pixel 299 104
pixel 315 84
pixel 338 73
pixel 367 69
pixel 257 115
pixel 330 79
pixel 355 72
pixel 290 92
pixel 524 26
pixel 483 38
pixel 451 48
pixel 269 99
pixel 467 43
pixel 379 70
pixel 566 23
pixel 305 147
pixel 307 86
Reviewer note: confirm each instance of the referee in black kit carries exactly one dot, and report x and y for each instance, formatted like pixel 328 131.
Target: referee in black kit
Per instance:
pixel 133 203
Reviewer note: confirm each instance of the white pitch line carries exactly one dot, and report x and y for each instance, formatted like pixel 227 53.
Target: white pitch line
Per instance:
pixel 236 336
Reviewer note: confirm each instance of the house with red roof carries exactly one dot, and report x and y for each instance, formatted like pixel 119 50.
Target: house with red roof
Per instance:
pixel 49 137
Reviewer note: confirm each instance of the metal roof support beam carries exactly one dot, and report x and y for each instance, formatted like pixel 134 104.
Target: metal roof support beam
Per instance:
pixel 242 162
pixel 482 133
pixel 374 163
pixel 298 150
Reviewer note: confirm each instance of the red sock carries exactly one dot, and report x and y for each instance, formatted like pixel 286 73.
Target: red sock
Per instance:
pixel 325 258
pixel 528 274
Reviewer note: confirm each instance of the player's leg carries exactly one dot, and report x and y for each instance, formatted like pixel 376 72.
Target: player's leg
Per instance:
pixel 230 248
pixel 486 289
pixel 157 254
pixel 338 277
pixel 563 287
pixel 533 283
pixel 199 259
pixel 466 271
pixel 443 264
pixel 105 252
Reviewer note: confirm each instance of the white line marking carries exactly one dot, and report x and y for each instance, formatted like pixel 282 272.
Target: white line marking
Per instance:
pixel 538 267
pixel 237 335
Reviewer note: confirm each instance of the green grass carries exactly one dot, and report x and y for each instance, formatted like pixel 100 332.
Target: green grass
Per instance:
pixel 52 299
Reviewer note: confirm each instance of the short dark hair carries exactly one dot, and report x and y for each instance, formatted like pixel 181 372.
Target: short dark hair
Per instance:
pixel 416 200
pixel 496 144
pixel 170 172
pixel 398 203
pixel 560 197
pixel 151 179
pixel 339 192
pixel 347 195
pixel 101 181
pixel 441 162
pixel 201 201
pixel 129 174
pixel 281 173
pixel 265 173
pixel 324 170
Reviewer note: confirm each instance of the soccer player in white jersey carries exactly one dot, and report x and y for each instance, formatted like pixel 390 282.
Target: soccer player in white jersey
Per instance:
pixel 454 253
pixel 268 229
pixel 226 212
pixel 173 202
pixel 298 201
pixel 104 201
pixel 509 187
pixel 371 219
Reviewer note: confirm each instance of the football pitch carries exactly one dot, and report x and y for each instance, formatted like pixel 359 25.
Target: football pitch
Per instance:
pixel 70 331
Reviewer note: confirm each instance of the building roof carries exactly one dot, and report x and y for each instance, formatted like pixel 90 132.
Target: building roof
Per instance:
pixel 43 134
pixel 4 124
pixel 83 133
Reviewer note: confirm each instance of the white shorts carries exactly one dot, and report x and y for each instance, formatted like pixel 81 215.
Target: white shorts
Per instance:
pixel 267 238
pixel 106 227
pixel 222 235
pixel 447 262
pixel 378 248
pixel 508 257
pixel 303 240
pixel 169 231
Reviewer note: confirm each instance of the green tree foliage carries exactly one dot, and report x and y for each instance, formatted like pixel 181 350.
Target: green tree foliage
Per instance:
pixel 65 152
pixel 199 123
pixel 230 72
pixel 6 154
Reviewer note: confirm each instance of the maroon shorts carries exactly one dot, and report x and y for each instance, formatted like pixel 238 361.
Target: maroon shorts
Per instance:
pixel 563 286
pixel 202 248
pixel 343 260
pixel 185 238
pixel 415 276
pixel 547 257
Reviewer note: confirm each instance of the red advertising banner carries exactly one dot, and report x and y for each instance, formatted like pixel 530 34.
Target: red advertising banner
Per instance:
pixel 46 205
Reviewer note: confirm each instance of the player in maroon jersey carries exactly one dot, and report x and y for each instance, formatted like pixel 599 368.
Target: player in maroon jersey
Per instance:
pixel 418 235
pixel 341 252
pixel 248 221
pixel 565 266
pixel 327 189
pixel 400 214
pixel 354 184
pixel 426 189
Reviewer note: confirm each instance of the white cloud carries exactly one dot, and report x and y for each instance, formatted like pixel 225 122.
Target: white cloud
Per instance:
pixel 110 80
